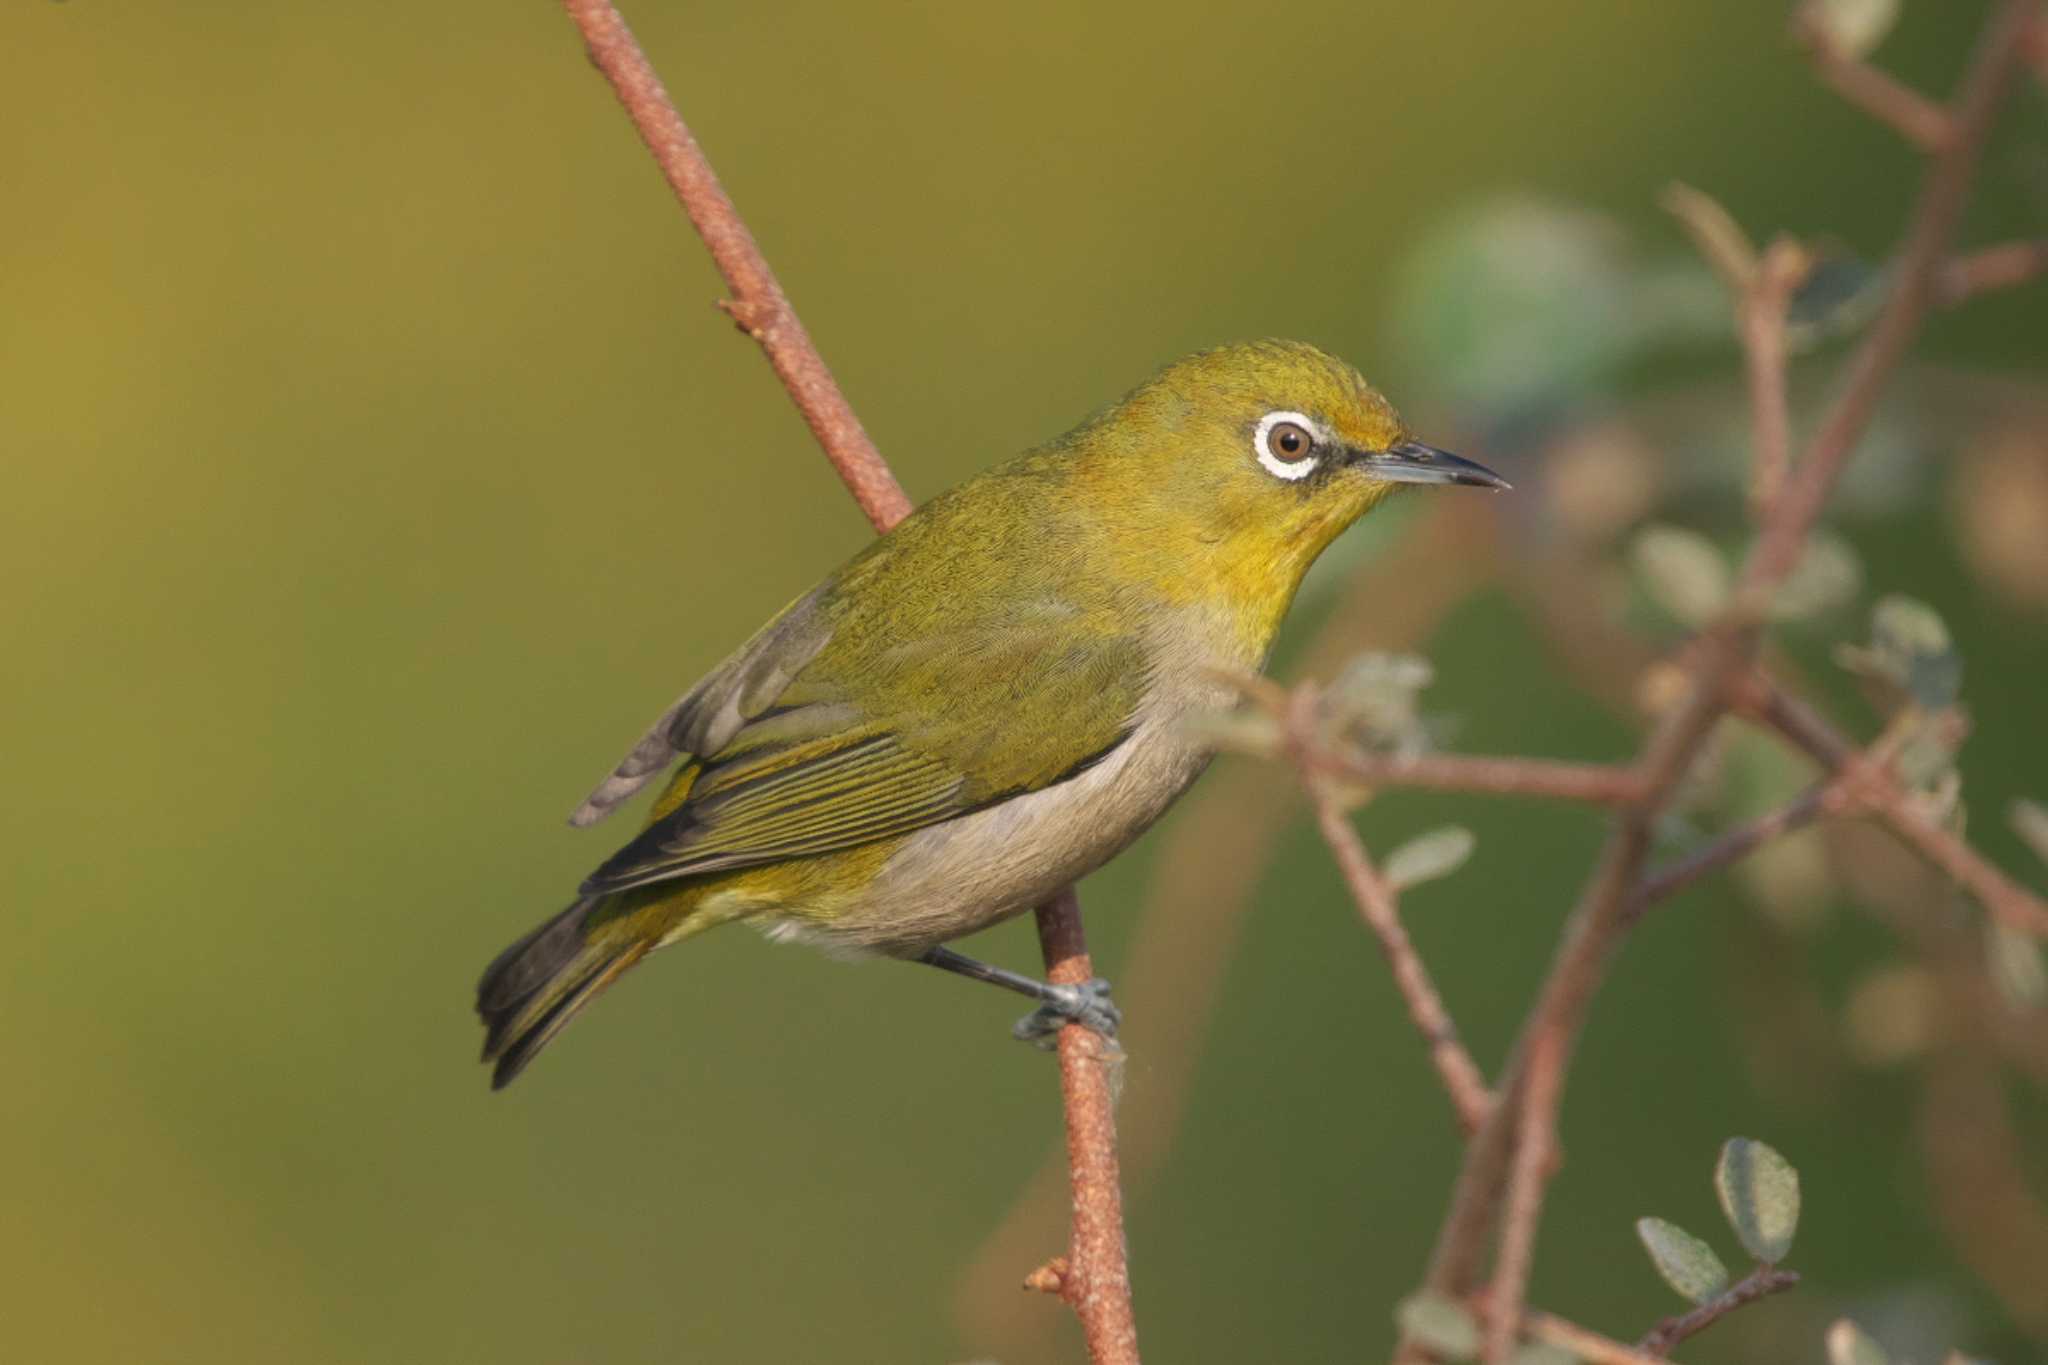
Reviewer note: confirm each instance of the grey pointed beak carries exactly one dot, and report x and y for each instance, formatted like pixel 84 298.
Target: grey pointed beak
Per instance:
pixel 1414 462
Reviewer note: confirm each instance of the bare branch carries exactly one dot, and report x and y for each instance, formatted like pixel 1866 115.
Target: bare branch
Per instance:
pixel 1527 1178
pixel 758 303
pixel 1735 845
pixel 1097 1281
pixel 1567 1335
pixel 1878 792
pixel 1379 908
pixel 1760 1283
pixel 1762 308
pixel 1990 269
pixel 1597 784
pixel 1715 233
pixel 1898 106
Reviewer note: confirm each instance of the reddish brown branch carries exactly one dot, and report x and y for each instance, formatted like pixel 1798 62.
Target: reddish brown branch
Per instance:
pixel 1876 791
pixel 758 304
pixel 1380 909
pixel 1735 845
pixel 1762 309
pixel 1097 1283
pixel 1096 1279
pixel 1921 121
pixel 1760 1283
pixel 1989 269
pixel 1567 1335
pixel 1597 784
pixel 1527 1178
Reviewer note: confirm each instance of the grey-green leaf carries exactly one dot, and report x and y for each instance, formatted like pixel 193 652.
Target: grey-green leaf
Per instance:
pixel 1853 28
pixel 1426 857
pixel 1687 1264
pixel 2014 961
pixel 1847 1345
pixel 1759 1192
pixel 1684 571
pixel 1913 641
pixel 1828 574
pixel 2030 822
pixel 1440 1323
pixel 1376 700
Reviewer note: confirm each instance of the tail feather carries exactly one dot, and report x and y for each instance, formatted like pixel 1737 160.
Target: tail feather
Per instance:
pixel 534 988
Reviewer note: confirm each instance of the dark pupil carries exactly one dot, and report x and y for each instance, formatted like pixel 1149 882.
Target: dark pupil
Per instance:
pixel 1290 440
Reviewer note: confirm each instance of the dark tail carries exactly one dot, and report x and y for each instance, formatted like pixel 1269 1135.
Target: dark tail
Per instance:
pixel 535 987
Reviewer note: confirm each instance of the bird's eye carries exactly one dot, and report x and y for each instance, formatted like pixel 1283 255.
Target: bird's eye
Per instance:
pixel 1286 444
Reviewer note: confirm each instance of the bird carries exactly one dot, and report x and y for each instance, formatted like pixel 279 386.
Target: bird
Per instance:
pixel 987 702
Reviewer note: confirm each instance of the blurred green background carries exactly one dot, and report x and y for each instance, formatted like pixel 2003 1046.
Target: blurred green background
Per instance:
pixel 377 466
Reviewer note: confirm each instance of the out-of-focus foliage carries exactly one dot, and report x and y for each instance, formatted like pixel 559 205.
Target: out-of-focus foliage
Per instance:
pixel 1429 856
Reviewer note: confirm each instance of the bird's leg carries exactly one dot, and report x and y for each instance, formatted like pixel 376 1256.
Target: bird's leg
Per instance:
pixel 1087 1004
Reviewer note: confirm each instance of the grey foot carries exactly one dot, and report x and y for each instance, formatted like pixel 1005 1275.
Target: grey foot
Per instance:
pixel 1087 1004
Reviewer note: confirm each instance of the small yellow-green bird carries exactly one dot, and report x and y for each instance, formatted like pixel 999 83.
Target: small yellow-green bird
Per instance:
pixel 989 701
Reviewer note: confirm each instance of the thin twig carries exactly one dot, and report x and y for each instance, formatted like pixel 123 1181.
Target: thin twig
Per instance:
pixel 1526 1178
pixel 1737 844
pixel 1760 1283
pixel 1096 1281
pixel 1566 1335
pixel 758 304
pixel 1597 925
pixel 1097 1284
pixel 1715 234
pixel 1879 793
pixel 1989 269
pixel 1596 784
pixel 1380 909
pixel 1762 308
pixel 1918 119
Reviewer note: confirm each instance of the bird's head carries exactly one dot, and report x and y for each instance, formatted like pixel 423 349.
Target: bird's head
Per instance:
pixel 1255 457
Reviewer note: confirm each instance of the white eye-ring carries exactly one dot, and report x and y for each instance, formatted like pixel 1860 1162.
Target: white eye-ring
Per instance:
pixel 1286 444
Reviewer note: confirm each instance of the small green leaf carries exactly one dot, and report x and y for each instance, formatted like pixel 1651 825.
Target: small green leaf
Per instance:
pixel 1847 1345
pixel 1377 700
pixel 1429 856
pixel 2013 959
pixel 1911 650
pixel 1687 1264
pixel 1827 575
pixel 1759 1192
pixel 1440 1323
pixel 1853 28
pixel 1913 633
pixel 2030 822
pixel 1684 571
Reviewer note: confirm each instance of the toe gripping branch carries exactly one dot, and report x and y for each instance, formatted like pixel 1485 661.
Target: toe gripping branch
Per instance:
pixel 1088 1004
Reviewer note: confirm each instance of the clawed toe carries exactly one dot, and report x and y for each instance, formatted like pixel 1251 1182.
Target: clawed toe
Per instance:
pixel 1088 1004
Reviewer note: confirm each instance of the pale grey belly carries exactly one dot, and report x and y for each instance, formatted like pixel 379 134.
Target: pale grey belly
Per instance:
pixel 953 879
